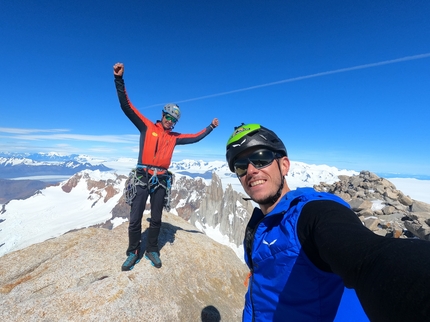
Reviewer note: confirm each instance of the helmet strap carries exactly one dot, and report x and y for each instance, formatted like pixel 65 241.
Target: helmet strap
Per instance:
pixel 281 186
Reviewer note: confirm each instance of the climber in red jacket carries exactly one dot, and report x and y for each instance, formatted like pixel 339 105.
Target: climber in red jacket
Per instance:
pixel 151 178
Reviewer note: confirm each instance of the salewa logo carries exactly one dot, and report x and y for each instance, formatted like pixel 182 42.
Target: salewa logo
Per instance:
pixel 239 144
pixel 269 244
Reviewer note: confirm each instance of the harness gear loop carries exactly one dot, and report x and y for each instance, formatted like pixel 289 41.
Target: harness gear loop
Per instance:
pixel 154 182
pixel 130 190
pixel 169 183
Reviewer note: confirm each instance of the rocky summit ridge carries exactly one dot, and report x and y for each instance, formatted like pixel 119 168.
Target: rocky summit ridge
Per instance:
pixel 381 207
pixel 78 277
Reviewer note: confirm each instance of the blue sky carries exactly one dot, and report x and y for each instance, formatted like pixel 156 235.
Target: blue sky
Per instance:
pixel 344 83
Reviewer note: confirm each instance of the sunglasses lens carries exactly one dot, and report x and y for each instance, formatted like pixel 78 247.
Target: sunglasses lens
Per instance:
pixel 170 118
pixel 261 159
pixel 241 166
pixel 258 159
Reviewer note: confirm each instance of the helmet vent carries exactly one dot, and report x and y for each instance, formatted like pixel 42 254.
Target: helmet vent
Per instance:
pixel 263 137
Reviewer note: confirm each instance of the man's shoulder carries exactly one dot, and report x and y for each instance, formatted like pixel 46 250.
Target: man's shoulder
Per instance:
pixel 305 195
pixel 302 193
pixel 309 194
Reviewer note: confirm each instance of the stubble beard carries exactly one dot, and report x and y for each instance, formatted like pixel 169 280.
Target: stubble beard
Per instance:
pixel 270 199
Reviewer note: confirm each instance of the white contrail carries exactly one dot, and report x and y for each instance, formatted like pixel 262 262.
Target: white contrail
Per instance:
pixel 336 71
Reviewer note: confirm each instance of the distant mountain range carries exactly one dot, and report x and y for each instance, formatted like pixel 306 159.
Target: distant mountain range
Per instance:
pixel 48 157
pixel 52 168
pixel 206 194
pixel 14 165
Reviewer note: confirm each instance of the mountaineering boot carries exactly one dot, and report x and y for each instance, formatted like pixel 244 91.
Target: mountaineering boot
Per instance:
pixel 154 258
pixel 151 252
pixel 132 259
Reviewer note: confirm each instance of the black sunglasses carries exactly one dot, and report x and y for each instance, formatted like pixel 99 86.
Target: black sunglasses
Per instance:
pixel 259 159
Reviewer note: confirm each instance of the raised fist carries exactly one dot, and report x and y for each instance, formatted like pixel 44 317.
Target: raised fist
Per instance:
pixel 118 69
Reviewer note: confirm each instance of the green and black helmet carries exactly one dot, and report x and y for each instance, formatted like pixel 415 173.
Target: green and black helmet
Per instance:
pixel 248 136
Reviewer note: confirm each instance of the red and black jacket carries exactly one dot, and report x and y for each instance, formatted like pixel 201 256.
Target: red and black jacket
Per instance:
pixel 156 144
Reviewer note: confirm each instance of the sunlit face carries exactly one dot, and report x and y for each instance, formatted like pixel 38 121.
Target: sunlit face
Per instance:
pixel 168 121
pixel 262 184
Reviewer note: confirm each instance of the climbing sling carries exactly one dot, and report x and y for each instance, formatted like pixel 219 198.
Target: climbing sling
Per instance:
pixel 134 180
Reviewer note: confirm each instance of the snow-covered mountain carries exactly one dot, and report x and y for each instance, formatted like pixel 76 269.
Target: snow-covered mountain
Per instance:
pixel 94 197
pixel 86 199
pixel 204 193
pixel 19 165
pixel 300 174
pixel 51 157
pixel 46 164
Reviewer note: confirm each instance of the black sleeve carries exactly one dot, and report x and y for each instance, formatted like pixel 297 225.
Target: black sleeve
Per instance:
pixel 120 90
pixel 129 110
pixel 390 276
pixel 193 138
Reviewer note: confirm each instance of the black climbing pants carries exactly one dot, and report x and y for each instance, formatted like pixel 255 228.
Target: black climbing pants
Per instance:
pixel 136 213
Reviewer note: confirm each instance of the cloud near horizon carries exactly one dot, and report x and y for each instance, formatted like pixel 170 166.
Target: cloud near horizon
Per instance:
pixel 28 131
pixel 58 134
pixel 21 140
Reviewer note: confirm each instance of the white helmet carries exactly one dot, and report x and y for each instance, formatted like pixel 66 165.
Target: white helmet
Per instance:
pixel 173 110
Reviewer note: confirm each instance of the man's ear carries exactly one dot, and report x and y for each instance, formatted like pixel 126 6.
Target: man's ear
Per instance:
pixel 285 166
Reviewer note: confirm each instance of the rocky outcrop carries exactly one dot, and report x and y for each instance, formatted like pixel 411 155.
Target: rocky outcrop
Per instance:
pixel 77 277
pixel 225 210
pixel 186 195
pixel 98 189
pixel 204 206
pixel 381 207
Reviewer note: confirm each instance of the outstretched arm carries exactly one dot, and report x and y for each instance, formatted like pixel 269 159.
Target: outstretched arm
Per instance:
pixel 390 275
pixel 193 138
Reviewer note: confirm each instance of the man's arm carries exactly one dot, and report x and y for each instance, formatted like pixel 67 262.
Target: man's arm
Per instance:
pixel 132 113
pixel 193 138
pixel 390 276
